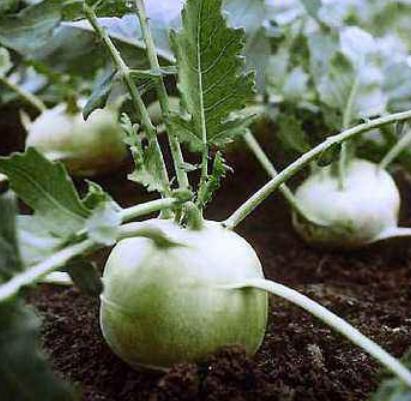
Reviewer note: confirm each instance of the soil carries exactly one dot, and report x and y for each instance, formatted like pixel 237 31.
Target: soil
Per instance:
pixel 300 360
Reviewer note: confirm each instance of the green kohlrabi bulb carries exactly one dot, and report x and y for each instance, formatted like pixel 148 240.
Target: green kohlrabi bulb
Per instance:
pixel 163 304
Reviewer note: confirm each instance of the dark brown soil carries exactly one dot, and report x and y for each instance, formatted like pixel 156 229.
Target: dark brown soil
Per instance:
pixel 300 359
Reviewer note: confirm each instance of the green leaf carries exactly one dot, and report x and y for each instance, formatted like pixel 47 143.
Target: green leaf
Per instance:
pixel 46 187
pixel 392 388
pixel 103 224
pixel 397 86
pixel 213 182
pixel 31 28
pixel 35 240
pixel 9 254
pixel 126 30
pixel 147 168
pixel 211 75
pixel 85 276
pixel 95 196
pixel 291 133
pixel 329 156
pixel 24 374
pixel 251 15
pixel 7 6
pixel 101 92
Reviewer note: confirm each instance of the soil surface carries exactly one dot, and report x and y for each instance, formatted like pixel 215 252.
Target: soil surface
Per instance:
pixel 300 360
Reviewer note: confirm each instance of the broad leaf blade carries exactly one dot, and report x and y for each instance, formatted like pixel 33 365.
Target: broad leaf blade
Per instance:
pixel 46 187
pixel 212 81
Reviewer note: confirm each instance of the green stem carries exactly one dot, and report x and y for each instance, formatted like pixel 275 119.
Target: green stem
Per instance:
pixel 28 97
pixel 396 150
pixel 271 171
pixel 333 321
pixel 143 209
pixel 36 272
pixel 254 201
pixel 138 103
pixel 162 95
pixel 343 159
pixel 204 171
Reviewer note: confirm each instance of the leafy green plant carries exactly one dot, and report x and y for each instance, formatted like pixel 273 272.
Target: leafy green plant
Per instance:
pixel 176 287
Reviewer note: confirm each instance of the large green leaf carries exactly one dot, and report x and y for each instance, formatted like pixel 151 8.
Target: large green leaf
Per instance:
pixel 24 373
pixel 46 187
pixel 212 81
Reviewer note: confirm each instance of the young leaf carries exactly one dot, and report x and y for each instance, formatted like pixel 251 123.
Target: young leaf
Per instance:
pixel 101 92
pixel 46 187
pixel 24 374
pixel 213 182
pixel 147 170
pixel 291 133
pixel 211 76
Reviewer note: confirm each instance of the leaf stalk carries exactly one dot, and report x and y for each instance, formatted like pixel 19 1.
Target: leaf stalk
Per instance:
pixel 162 95
pixel 138 103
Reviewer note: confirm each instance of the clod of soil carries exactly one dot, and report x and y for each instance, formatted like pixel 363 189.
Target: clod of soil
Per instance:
pixel 300 359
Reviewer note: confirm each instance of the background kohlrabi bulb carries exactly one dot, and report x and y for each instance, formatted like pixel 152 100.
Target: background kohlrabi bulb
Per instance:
pixel 87 148
pixel 163 305
pixel 354 216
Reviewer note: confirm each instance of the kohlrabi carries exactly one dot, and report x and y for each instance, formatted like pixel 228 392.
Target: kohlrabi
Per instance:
pixel 344 207
pixel 87 147
pixel 365 210
pixel 177 287
pixel 163 302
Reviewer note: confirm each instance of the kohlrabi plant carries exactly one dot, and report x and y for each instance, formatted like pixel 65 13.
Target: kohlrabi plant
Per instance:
pixel 176 287
pixel 331 71
pixel 88 143
pixel 347 204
